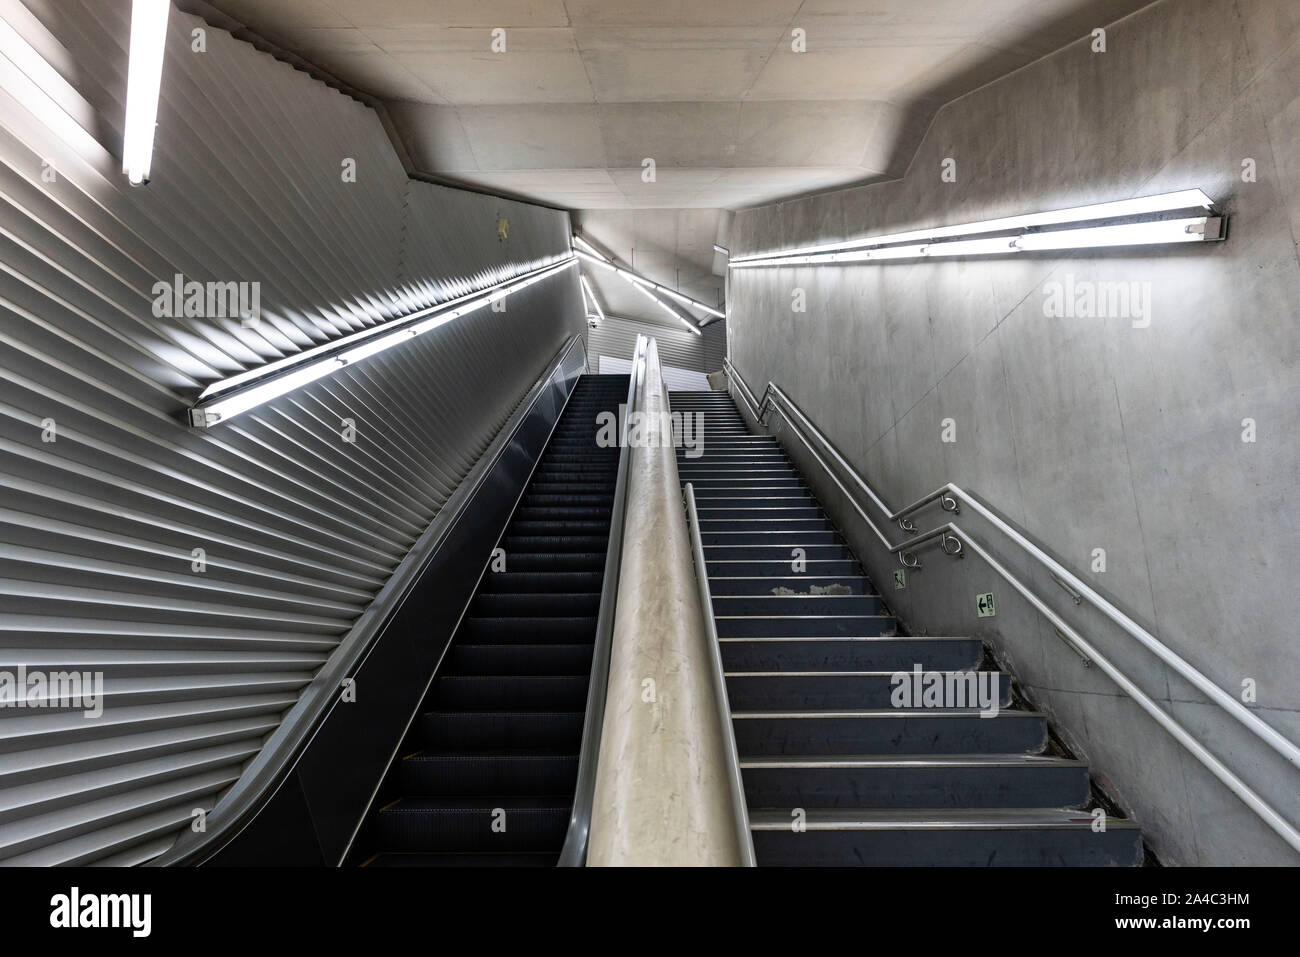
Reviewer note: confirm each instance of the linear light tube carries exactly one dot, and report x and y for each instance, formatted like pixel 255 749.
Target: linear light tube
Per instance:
pixel 226 399
pixel 668 309
pixel 1192 230
pixel 279 365
pixel 586 303
pixel 900 252
pixel 590 254
pixel 640 287
pixel 972 247
pixel 671 293
pixel 590 293
pixel 143 84
pixel 1163 231
pixel 1144 205
pixel 596 260
pixel 588 247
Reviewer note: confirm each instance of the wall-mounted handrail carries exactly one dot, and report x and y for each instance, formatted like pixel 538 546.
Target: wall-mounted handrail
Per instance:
pixel 759 408
pixel 574 852
pixel 744 837
pixel 955 541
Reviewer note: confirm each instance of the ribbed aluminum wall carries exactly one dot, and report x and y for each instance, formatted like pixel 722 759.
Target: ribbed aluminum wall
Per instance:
pixel 107 499
pixel 678 347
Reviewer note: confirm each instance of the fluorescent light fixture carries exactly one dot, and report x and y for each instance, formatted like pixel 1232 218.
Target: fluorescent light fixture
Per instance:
pixel 897 252
pixel 589 248
pixel 593 255
pixel 595 260
pixel 927 242
pixel 671 293
pixel 913 251
pixel 972 247
pixel 1192 230
pixel 228 398
pixel 589 294
pixel 582 288
pixel 721 249
pixel 668 309
pixel 143 84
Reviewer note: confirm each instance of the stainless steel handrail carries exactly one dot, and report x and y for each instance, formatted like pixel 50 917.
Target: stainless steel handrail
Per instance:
pixel 744 836
pixel 759 407
pixel 574 852
pixel 955 541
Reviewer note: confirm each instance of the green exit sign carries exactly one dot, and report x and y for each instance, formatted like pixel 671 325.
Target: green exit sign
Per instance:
pixel 984 605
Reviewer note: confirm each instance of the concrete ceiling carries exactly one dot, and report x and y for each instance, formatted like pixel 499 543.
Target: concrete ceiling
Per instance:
pixel 711 90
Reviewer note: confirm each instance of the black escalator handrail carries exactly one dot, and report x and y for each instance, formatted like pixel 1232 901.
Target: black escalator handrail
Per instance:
pixel 574 852
pixel 275 761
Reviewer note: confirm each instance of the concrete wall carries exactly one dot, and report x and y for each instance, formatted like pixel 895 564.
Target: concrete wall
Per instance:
pixel 1089 433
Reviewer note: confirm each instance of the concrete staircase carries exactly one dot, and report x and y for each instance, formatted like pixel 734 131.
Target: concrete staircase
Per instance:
pixel 835 773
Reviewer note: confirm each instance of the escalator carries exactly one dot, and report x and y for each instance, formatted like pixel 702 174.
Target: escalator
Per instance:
pixel 485 775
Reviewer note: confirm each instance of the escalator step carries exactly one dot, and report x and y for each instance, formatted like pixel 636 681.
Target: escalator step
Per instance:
pixel 475 823
pixel 550 513
pixel 557 731
pixel 559 528
pixel 522 692
pixel 597 500
pixel 588 561
pixel 465 859
pixel 500 630
pixel 431 773
pixel 576 454
pixel 585 469
pixel 581 605
pixel 574 487
pixel 541 583
pixel 520 659
pixel 555 543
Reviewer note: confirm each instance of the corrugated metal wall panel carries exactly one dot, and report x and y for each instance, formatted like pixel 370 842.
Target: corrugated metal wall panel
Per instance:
pixel 616 337
pixel 106 496
pixel 714 346
pixel 677 380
